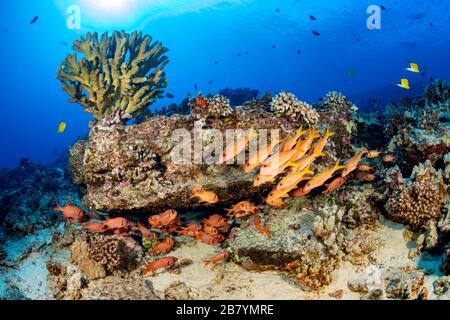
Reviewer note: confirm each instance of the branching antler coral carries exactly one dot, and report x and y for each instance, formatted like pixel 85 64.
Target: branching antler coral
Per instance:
pixel 121 74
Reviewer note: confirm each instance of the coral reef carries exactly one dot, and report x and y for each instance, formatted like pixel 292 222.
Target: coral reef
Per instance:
pixel 337 113
pixel 131 167
pixel 118 77
pixel 419 199
pixel 215 107
pixel 287 105
pixel 403 283
pixel 419 129
pixel 28 195
pixel 239 96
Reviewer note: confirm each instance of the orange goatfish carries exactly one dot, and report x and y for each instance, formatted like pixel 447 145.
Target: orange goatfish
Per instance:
pixel 352 163
pixel 260 156
pixel 275 201
pixel 303 146
pixel 305 162
pixel 292 141
pixel 164 263
pixel 292 180
pixel 277 160
pixel 320 178
pixel 205 196
pixel 236 147
pixel 335 184
pixel 218 258
pixel 262 179
pixel 320 145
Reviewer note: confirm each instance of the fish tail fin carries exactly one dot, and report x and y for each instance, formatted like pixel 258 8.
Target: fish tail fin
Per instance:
pixel 206 262
pixel 337 166
pixel 328 133
pixel 58 207
pixel 292 164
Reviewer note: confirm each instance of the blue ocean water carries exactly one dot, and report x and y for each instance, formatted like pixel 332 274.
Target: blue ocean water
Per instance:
pixel 208 41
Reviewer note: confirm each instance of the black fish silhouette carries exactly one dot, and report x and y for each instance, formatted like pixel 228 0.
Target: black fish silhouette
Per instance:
pixel 316 33
pixel 34 20
pixel 383 8
pixel 170 96
pixel 298 52
pixel 312 18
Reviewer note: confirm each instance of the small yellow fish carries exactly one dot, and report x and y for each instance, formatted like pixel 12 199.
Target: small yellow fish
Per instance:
pixel 62 127
pixel 404 83
pixel 413 67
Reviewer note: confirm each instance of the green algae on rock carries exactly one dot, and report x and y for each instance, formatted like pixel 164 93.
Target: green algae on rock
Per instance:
pixel 118 77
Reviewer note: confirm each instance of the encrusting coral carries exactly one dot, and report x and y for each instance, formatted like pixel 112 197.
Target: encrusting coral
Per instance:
pixel 337 113
pixel 286 104
pixel 118 77
pixel 420 199
pixel 215 107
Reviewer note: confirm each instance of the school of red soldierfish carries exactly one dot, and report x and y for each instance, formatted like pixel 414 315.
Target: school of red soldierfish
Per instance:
pixel 292 157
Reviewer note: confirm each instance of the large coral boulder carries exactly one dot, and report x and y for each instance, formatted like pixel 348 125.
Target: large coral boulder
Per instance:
pixel 131 168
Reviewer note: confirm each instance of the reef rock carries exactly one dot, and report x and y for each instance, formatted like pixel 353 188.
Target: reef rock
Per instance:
pixel 420 199
pixel 403 283
pixel 98 256
pixel 127 168
pixel 308 239
pixel 28 195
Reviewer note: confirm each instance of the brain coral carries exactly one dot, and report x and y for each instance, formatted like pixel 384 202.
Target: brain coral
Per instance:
pixel 420 199
pixel 118 77
pixel 286 104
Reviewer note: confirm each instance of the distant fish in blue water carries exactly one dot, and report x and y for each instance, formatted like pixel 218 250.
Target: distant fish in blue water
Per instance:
pixel 195 86
pixel 239 54
pixel 216 62
pixel 357 39
pixel 351 72
pixel 211 81
pixel 431 24
pixel 312 17
pixel 34 20
pixel 63 43
pixel 383 8
pixel 409 44
pixel 277 10
pixel 189 94
pixel 170 96
pixel 419 16
pixel 316 33
pixel 299 52
pixel 274 47
pixel 246 52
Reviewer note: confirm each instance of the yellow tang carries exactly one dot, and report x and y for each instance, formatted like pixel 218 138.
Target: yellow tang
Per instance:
pixel 62 127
